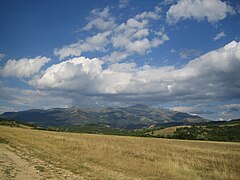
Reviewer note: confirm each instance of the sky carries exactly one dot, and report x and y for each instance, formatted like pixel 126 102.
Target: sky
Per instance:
pixel 182 55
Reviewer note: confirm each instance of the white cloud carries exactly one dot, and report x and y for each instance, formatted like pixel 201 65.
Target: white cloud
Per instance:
pixel 94 43
pixel 135 23
pixel 188 53
pixel 184 109
pixel 138 46
pixel 141 33
pixel 158 41
pixel 2 56
pixel 101 20
pixel 148 15
pixel 219 36
pixel 22 99
pixel 123 3
pixel 213 10
pixel 167 2
pixel 212 76
pixel 23 68
pixel 116 56
pixel 75 74
pixel 158 9
pixel 135 36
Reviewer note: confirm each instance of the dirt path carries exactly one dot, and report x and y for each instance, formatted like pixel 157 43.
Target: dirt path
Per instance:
pixel 14 167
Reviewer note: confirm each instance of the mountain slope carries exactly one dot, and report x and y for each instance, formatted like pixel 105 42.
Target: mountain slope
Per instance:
pixel 132 117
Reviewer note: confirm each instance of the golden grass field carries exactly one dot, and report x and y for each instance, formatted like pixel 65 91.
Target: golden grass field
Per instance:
pixel 115 157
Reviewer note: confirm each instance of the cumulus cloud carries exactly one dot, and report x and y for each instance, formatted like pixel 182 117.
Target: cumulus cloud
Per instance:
pixel 116 56
pixel 97 42
pixel 2 56
pixel 135 36
pixel 123 3
pixel 212 11
pixel 23 68
pixel 212 76
pixel 101 20
pixel 22 99
pixel 149 15
pixel 188 53
pixel 219 36
pixel 76 74
pixel 167 2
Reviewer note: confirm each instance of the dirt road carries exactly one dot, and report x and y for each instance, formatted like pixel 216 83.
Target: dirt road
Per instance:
pixel 13 165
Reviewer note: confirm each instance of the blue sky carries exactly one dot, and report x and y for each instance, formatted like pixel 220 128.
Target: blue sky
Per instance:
pixel 183 55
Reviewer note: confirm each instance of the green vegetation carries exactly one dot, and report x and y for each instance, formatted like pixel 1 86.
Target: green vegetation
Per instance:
pixel 96 129
pixel 7 122
pixel 209 132
pixel 13 123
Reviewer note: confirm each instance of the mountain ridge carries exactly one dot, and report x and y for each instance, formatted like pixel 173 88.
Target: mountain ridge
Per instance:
pixel 131 117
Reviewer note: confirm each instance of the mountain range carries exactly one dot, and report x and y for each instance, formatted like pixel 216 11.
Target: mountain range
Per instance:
pixel 131 117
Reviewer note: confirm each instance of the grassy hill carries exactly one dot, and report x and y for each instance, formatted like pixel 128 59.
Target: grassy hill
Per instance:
pixel 117 157
pixel 212 131
pixel 13 123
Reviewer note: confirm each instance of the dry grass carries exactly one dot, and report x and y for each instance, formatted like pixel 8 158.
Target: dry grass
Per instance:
pixel 114 157
pixel 167 131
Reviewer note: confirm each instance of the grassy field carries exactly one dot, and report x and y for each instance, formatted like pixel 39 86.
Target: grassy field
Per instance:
pixel 165 131
pixel 115 157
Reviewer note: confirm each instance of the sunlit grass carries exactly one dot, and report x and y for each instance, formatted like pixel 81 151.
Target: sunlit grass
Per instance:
pixel 115 157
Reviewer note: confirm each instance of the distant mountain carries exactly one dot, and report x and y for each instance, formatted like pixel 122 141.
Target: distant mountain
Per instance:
pixel 132 117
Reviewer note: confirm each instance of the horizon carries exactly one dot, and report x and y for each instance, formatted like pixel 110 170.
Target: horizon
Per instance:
pixel 114 107
pixel 175 54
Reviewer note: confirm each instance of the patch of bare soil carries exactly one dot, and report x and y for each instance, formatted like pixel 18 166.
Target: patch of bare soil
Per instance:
pixel 16 165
